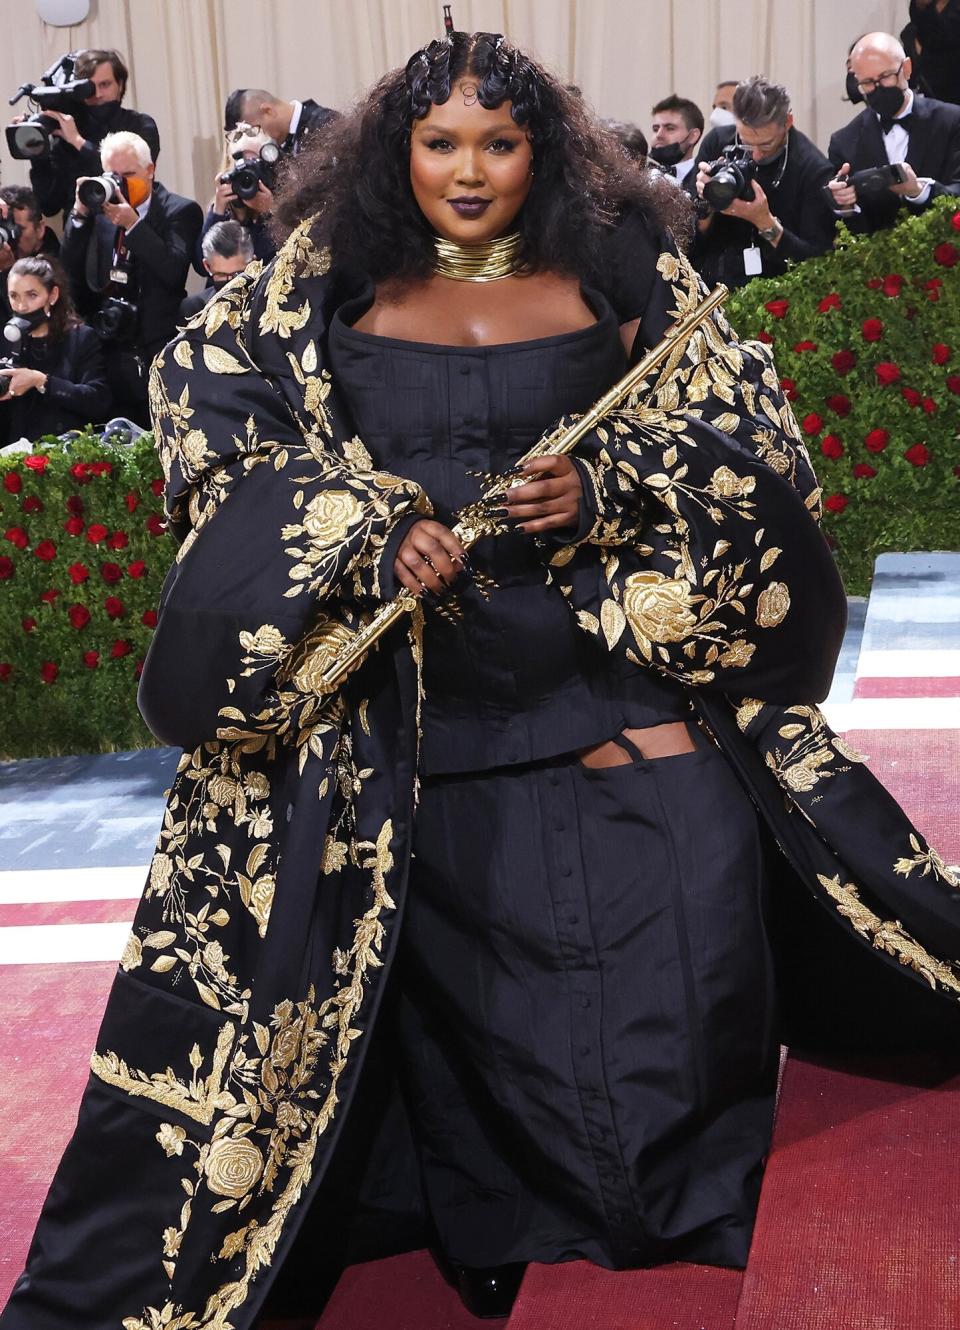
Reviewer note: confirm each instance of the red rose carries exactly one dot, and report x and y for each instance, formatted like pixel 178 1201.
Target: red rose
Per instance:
pixel 762 336
pixel 805 346
pixel 100 468
pixel 50 596
pixel 946 255
pixel 49 671
pixel 929 405
pixel 78 573
pixel 918 454
pixel 955 221
pixel 79 616
pixel 6 568
pixel 114 608
pixel 157 487
pixel 156 525
pixel 96 532
pixel 832 301
pixel 149 618
pixel 6 669
pixel 137 568
pixel 789 387
pixel 836 503
pixel 953 383
pixel 812 424
pixel 891 284
pixel 17 536
pixel 91 659
pixel 932 288
pixel 46 551
pixel 777 308
pixel 132 501
pixel 28 625
pixel 119 540
pixel 876 440
pixel 843 361
pixel 120 648
pixel 864 471
pixel 37 461
pixel 940 354
pixel 12 482
pixel 831 446
pixel 74 505
pixel 111 572
pixel 887 372
pixel 73 526
pixel 80 472
pixel 839 404
pixel 872 330
pixel 875 283
pixel 32 504
pixel 138 669
pixel 911 396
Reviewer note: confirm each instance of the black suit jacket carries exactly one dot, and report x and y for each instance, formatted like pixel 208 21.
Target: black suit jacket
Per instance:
pixel 77 393
pixel 161 247
pixel 938 32
pixel 798 202
pixel 312 117
pixel 933 151
pixel 54 179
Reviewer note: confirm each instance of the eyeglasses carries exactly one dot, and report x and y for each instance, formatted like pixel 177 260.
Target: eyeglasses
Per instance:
pixel 242 131
pixel 886 80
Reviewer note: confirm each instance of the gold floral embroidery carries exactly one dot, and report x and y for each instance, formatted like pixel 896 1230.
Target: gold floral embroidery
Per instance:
pixel 814 748
pixel 773 603
pixel 928 861
pixel 196 1098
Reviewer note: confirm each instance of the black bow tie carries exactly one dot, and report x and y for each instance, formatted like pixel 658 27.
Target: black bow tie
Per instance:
pixel 887 124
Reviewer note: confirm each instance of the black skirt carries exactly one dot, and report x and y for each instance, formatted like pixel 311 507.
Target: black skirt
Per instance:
pixel 587 1012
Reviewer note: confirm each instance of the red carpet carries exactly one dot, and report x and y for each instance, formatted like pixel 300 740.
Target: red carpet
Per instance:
pixel 402 1293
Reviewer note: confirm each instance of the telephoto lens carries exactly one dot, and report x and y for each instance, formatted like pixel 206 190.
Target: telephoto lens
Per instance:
pixel 98 190
pixel 10 233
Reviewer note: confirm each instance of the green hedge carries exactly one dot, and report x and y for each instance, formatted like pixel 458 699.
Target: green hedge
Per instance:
pixel 83 555
pixel 867 340
pixel 867 343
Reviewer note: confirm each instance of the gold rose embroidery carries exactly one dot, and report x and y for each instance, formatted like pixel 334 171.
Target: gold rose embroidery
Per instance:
pixel 233 1166
pixel 773 604
pixel 658 608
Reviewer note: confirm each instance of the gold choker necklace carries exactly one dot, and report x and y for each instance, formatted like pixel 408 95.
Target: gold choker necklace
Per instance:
pixel 477 263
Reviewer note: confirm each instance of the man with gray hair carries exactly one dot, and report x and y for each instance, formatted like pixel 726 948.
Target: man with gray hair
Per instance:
pixel 907 145
pixel 227 248
pixel 781 214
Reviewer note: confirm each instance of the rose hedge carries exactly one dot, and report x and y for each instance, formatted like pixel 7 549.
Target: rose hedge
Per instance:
pixel 83 554
pixel 867 342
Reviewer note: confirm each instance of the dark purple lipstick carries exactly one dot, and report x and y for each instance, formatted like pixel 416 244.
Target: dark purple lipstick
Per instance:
pixel 469 205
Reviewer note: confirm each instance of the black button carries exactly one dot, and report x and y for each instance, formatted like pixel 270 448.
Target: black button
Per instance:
pixel 584 1002
pixel 464 369
pixel 564 870
pixel 585 1051
pixel 574 919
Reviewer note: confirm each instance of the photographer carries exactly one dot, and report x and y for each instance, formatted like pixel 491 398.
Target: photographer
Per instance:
pixel 901 151
pixel 23 233
pixel 246 169
pixel 676 130
pixel 76 146
pixel 56 379
pixel 126 247
pixel 227 249
pixel 772 208
pixel 288 123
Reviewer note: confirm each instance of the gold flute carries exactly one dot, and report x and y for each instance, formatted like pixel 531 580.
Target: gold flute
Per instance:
pixel 472 526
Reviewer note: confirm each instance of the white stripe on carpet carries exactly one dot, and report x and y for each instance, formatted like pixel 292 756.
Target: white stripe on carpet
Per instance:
pixel 58 944
pixel 34 886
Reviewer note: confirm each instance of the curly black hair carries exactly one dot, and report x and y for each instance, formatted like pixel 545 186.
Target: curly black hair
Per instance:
pixel 354 178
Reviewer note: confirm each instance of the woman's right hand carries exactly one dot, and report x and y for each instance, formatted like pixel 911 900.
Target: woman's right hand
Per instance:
pixel 223 196
pixel 430 558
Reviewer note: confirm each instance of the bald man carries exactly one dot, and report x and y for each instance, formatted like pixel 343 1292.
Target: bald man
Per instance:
pixel 896 126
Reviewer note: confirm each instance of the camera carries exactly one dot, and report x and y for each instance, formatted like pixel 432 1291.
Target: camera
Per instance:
pixel 115 320
pixel 101 189
pixel 875 179
pixel 245 177
pixel 6 362
pixel 10 233
pixel 57 90
pixel 731 177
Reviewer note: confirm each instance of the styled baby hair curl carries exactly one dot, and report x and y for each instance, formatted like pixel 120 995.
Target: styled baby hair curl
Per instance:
pixel 354 174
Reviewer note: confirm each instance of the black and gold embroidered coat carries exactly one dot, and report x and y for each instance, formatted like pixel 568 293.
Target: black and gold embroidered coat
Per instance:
pixel 248 993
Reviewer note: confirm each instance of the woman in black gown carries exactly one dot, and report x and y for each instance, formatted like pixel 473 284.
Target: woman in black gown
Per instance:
pixel 530 893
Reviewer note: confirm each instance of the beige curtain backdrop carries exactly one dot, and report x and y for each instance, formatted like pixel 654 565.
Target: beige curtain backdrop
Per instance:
pixel 186 55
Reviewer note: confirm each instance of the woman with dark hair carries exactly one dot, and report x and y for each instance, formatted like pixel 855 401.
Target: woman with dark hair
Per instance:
pixel 57 381
pixel 560 777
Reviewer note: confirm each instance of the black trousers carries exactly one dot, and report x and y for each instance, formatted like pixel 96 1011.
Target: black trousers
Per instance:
pixel 587 1012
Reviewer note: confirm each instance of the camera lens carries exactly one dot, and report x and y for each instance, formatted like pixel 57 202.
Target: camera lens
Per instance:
pixel 245 182
pixel 29 139
pixel 93 194
pixel 721 189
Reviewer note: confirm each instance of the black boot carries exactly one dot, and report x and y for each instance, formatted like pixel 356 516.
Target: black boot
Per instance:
pixel 488 1292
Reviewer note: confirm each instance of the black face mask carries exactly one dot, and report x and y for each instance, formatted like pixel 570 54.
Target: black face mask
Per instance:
pixel 100 117
pixel 668 154
pixel 885 101
pixel 853 90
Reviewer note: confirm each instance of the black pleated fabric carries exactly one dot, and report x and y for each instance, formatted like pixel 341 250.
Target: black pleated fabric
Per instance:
pixel 587 1012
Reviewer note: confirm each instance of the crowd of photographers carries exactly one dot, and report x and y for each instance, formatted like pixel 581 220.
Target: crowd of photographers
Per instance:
pixel 82 316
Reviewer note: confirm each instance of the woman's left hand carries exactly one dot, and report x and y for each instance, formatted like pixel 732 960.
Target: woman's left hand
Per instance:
pixel 550 498
pixel 22 380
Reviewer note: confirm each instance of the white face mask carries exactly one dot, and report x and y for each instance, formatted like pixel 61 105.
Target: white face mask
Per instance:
pixel 720 117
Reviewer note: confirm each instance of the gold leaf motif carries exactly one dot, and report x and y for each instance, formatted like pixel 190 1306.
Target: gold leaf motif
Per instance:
pixel 308 360
pixel 183 354
pixel 219 361
pixel 613 621
pixel 770 557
